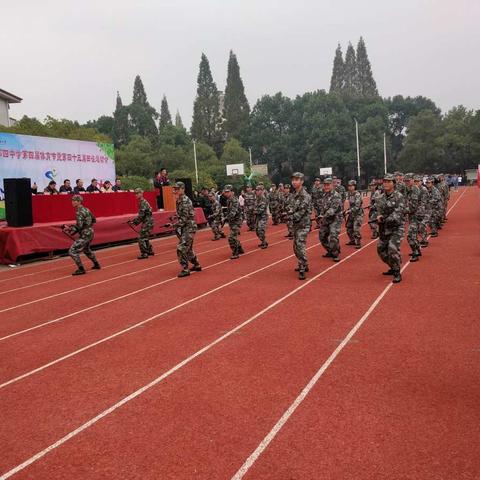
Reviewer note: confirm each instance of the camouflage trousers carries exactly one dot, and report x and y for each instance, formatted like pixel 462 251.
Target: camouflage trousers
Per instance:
pixel 233 240
pixel 300 234
pixel 422 227
pixel 260 228
pixel 276 213
pixel 316 209
pixel 354 225
pixel 412 233
pixel 185 251
pixel 82 244
pixel 216 227
pixel 388 247
pixel 372 215
pixel 328 235
pixel 289 223
pixel 434 221
pixel 143 238
pixel 250 217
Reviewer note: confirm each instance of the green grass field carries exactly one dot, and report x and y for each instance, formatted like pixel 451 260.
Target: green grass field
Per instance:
pixel 2 210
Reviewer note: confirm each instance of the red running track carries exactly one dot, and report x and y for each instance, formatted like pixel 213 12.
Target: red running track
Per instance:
pixel 210 409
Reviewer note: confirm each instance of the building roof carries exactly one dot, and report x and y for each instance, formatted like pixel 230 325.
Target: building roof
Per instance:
pixel 9 97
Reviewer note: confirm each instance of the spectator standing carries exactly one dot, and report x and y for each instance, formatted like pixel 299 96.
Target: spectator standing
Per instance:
pixel 161 180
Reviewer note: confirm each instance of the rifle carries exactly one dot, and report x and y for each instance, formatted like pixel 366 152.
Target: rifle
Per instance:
pixel 130 224
pixel 66 230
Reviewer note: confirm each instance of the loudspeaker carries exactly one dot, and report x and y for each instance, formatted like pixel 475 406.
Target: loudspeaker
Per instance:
pixel 188 186
pixel 18 202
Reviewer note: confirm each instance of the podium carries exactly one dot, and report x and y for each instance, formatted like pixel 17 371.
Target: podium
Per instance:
pixel 169 202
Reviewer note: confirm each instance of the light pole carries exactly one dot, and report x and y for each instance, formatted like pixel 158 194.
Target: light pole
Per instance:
pixel 195 158
pixel 250 152
pixel 358 150
pixel 385 152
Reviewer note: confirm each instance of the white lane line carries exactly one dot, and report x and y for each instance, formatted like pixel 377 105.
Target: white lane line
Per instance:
pixel 241 472
pixel 177 367
pixel 103 268
pixel 111 279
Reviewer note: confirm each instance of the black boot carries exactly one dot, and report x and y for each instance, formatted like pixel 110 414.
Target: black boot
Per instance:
pixel 358 245
pixel 196 268
pixel 235 255
pixel 389 272
pixel 241 251
pixel 183 273
pixel 264 245
pixel 327 255
pixel 142 256
pixel 335 258
pixel 351 242
pixel 79 271
pixel 301 275
pixel 306 269
pixel 414 257
pixel 96 266
pixel 397 276
pixel 151 253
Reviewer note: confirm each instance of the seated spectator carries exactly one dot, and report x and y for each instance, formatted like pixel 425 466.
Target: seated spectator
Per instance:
pixel 66 188
pixel 51 189
pixel 118 185
pixel 78 187
pixel 107 187
pixel 93 187
pixel 34 188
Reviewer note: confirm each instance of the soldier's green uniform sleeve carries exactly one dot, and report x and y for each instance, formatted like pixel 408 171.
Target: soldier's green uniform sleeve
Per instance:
pixel 81 222
pixel 144 212
pixel 233 209
pixel 335 206
pixel 413 201
pixel 261 207
pixel 395 218
pixel 303 208
pixel 356 205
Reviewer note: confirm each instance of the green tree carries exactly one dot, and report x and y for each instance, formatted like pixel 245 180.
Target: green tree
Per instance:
pixel 141 114
pixel 337 81
pixel 350 75
pixel 165 117
pixel 136 158
pixel 121 129
pixel 206 110
pixel 367 86
pixel 236 108
pixel 178 120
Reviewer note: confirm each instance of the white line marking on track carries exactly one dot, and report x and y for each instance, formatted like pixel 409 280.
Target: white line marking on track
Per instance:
pixel 303 394
pixel 178 366
pixel 110 279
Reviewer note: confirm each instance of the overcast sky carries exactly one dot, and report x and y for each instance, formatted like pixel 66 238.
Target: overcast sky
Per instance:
pixel 68 58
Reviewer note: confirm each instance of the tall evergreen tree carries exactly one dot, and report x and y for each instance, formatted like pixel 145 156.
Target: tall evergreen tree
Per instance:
pixel 351 83
pixel 178 120
pixel 121 134
pixel 165 117
pixel 366 83
pixel 142 114
pixel 337 81
pixel 206 107
pixel 236 108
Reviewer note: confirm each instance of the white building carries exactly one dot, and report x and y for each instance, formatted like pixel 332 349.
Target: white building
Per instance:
pixel 5 100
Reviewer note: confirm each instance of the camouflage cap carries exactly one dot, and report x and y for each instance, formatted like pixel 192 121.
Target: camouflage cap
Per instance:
pixel 389 177
pixel 287 186
pixel 228 188
pixel 260 187
pixel 77 198
pixel 179 185
pixel 408 176
pixel 417 178
pixel 352 182
pixel 328 180
pixel 138 190
pixel 430 179
pixel 299 175
pixel 318 179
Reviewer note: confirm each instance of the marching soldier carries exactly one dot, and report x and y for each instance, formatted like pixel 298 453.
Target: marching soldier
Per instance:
pixel 234 218
pixel 317 192
pixel 84 228
pixel 249 197
pixel 145 218
pixel 274 205
pixel 186 228
pixel 422 211
pixel 412 200
pixel 434 206
pixel 261 215
pixel 287 214
pixel 445 192
pixel 391 220
pixel 216 218
pixel 372 209
pixel 354 215
pixel 400 185
pixel 330 220
pixel 338 187
pixel 301 210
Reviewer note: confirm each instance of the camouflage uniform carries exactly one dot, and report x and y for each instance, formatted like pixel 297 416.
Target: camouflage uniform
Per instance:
pixel 401 187
pixel 355 217
pixel 186 228
pixel 445 192
pixel 250 209
pixel 145 218
pixel 434 209
pixel 317 193
pixel 287 212
pixel 331 222
pixel 84 227
pixel 216 219
pixel 372 212
pixel 422 215
pixel 301 211
pixel 261 217
pixel 274 204
pixel 391 206
pixel 412 200
pixel 340 189
pixel 233 216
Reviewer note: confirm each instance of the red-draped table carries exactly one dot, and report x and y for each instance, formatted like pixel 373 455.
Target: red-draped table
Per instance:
pixel 58 208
